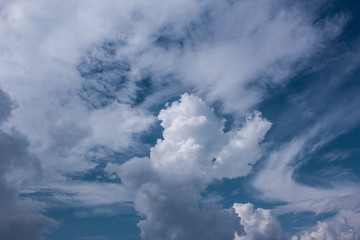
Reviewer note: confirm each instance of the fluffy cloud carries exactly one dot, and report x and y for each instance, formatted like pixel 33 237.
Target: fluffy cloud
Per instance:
pixel 262 224
pixel 337 228
pixel 194 150
pixel 259 224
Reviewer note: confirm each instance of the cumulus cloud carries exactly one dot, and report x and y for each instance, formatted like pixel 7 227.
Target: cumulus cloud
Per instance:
pixel 262 224
pixel 194 151
pixel 334 229
pixel 259 224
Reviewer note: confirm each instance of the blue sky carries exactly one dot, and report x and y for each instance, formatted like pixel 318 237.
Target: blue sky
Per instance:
pixel 179 120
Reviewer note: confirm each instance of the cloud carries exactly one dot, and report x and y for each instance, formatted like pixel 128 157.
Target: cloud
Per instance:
pixel 315 113
pixel 230 53
pixel 262 224
pixel 319 111
pixel 115 125
pixel 91 75
pixel 82 194
pixel 41 53
pixel 19 219
pixel 336 228
pixel 259 224
pixel 194 151
pixel 276 183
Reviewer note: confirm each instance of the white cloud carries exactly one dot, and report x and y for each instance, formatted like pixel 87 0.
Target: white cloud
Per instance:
pixel 82 194
pixel 167 185
pixel 278 180
pixel 241 43
pixel 334 229
pixel 227 51
pixel 45 42
pixel 262 224
pixel 115 125
pixel 259 224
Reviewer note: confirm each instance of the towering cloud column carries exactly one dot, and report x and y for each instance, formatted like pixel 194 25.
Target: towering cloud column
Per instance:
pixel 193 152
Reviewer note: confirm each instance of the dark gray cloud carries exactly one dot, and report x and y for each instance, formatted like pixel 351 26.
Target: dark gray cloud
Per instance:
pixel 19 219
pixel 172 212
pixel 5 106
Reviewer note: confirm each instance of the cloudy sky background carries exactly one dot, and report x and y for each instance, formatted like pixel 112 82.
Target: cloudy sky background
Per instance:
pixel 191 119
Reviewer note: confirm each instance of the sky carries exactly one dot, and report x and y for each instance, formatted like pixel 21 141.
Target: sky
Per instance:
pixel 179 120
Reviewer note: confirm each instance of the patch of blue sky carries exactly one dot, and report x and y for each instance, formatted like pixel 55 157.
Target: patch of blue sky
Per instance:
pixel 350 7
pixel 229 119
pixel 74 226
pixel 97 174
pixel 335 161
pixel 169 37
pixel 43 196
pixel 168 41
pixel 106 80
pixel 295 222
pixel 103 75
pixel 101 154
pixel 166 86
pixel 297 106
pixel 236 190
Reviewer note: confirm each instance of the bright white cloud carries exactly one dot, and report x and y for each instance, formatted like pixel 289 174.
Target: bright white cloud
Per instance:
pixel 194 150
pixel 259 224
